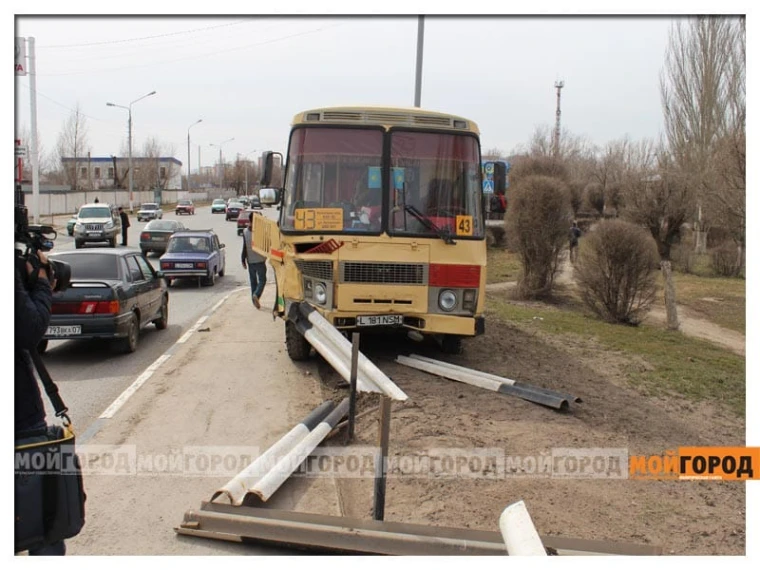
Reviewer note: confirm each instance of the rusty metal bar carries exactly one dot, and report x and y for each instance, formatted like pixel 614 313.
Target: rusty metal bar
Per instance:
pixel 381 459
pixel 352 392
pixel 324 533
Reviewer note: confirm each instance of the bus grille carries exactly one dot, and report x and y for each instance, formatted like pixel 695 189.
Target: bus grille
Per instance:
pixel 316 269
pixel 392 273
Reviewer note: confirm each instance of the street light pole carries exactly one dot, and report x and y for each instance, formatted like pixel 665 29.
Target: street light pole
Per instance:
pixel 188 152
pixel 246 170
pixel 220 159
pixel 418 73
pixel 129 142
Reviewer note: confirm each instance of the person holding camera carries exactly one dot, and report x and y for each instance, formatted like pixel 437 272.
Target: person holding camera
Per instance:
pixel 33 300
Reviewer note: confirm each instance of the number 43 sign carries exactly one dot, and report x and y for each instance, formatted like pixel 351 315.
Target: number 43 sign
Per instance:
pixel 464 225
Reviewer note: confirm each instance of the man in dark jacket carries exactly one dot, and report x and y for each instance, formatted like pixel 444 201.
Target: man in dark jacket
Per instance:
pixel 124 225
pixel 33 300
pixel 256 264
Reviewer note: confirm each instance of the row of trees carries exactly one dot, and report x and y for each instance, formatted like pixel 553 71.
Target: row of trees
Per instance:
pixel 694 175
pixel 73 143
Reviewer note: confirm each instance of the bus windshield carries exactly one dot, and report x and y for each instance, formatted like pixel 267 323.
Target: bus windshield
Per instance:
pixel 436 178
pixel 335 183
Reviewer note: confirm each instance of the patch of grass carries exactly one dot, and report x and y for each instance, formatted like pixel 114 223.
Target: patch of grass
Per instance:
pixel 502 266
pixel 692 368
pixel 721 300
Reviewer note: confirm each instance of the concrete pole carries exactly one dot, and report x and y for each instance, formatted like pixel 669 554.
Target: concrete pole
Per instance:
pixel 418 75
pixel 34 154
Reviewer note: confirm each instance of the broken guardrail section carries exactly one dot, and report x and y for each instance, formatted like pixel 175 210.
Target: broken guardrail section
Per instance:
pixel 273 467
pixel 535 394
pixel 336 349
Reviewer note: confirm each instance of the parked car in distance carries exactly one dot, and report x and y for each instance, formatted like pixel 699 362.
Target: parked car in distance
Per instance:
pixel 70 225
pixel 245 200
pixel 193 253
pixel 218 206
pixel 233 210
pixel 149 211
pixel 96 223
pixel 185 207
pixel 113 294
pixel 156 234
pixel 256 203
pixel 242 221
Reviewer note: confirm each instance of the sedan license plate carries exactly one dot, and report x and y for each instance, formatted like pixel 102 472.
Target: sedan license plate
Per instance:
pixel 183 265
pixel 158 238
pixel 379 320
pixel 64 330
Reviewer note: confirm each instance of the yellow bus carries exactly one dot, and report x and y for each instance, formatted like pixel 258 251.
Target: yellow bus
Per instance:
pixel 381 223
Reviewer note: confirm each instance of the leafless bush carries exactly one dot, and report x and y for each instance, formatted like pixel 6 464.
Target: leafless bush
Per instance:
pixel 616 272
pixel 594 196
pixel 537 222
pixel 726 261
pixel 533 165
pixel 683 258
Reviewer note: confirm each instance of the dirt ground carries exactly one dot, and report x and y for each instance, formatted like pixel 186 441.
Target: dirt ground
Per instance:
pixel 680 517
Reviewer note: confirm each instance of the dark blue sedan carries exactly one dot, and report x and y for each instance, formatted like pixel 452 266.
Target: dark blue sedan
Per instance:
pixel 193 253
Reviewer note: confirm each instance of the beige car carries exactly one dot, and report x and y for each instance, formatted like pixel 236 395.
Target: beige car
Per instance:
pixel 97 223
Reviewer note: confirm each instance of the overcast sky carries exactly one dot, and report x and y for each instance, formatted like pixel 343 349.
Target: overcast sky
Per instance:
pixel 246 77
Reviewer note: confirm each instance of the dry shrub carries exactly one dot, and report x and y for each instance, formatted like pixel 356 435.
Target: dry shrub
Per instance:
pixel 525 166
pixel 725 260
pixel 537 222
pixel 616 271
pixel 594 197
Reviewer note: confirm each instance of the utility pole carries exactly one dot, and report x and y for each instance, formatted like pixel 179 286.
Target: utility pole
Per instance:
pixel 559 85
pixel 418 71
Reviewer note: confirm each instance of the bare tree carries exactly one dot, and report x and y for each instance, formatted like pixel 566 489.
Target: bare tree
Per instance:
pixel 493 153
pixel 696 90
pixel 73 144
pixel 150 171
pixel 658 196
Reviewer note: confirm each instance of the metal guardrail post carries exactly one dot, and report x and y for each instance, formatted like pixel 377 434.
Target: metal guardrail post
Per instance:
pixel 381 459
pixel 352 393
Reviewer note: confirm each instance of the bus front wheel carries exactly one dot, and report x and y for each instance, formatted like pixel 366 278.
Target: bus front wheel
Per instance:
pixel 451 344
pixel 298 347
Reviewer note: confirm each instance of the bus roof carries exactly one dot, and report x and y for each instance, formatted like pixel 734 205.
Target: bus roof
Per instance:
pixel 385 116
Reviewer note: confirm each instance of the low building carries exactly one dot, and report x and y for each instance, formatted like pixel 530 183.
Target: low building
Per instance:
pixel 98 173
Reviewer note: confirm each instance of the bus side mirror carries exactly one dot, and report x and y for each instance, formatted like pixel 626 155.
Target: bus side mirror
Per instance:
pixel 267 159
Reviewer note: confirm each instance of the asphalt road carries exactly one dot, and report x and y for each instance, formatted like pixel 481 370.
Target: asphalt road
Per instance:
pixel 92 374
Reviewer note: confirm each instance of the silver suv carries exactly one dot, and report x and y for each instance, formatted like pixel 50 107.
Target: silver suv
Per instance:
pixel 97 223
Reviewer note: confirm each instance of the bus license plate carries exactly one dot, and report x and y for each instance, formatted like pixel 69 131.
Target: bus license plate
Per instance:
pixel 379 320
pixel 64 331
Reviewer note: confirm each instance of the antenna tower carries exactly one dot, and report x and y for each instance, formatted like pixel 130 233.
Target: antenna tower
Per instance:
pixel 559 85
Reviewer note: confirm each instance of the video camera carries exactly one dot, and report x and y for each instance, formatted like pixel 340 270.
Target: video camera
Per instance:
pixel 34 238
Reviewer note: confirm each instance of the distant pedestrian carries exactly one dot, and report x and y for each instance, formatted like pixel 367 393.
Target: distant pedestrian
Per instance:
pixel 124 225
pixel 97 201
pixel 256 264
pixel 575 234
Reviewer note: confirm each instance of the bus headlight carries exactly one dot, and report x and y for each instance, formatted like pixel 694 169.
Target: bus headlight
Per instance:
pixel 320 293
pixel 447 300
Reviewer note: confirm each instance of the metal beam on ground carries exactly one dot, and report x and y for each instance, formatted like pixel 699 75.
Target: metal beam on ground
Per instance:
pixel 330 534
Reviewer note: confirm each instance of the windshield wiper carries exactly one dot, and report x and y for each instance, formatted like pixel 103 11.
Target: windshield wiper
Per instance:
pixel 442 233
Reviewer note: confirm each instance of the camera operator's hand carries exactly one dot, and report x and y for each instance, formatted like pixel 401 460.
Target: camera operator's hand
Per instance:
pixel 43 272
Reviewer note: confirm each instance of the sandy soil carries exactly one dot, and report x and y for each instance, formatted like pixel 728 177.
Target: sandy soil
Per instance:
pixel 680 517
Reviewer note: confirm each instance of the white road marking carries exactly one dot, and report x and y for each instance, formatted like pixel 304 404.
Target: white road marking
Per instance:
pixel 126 394
pixel 143 378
